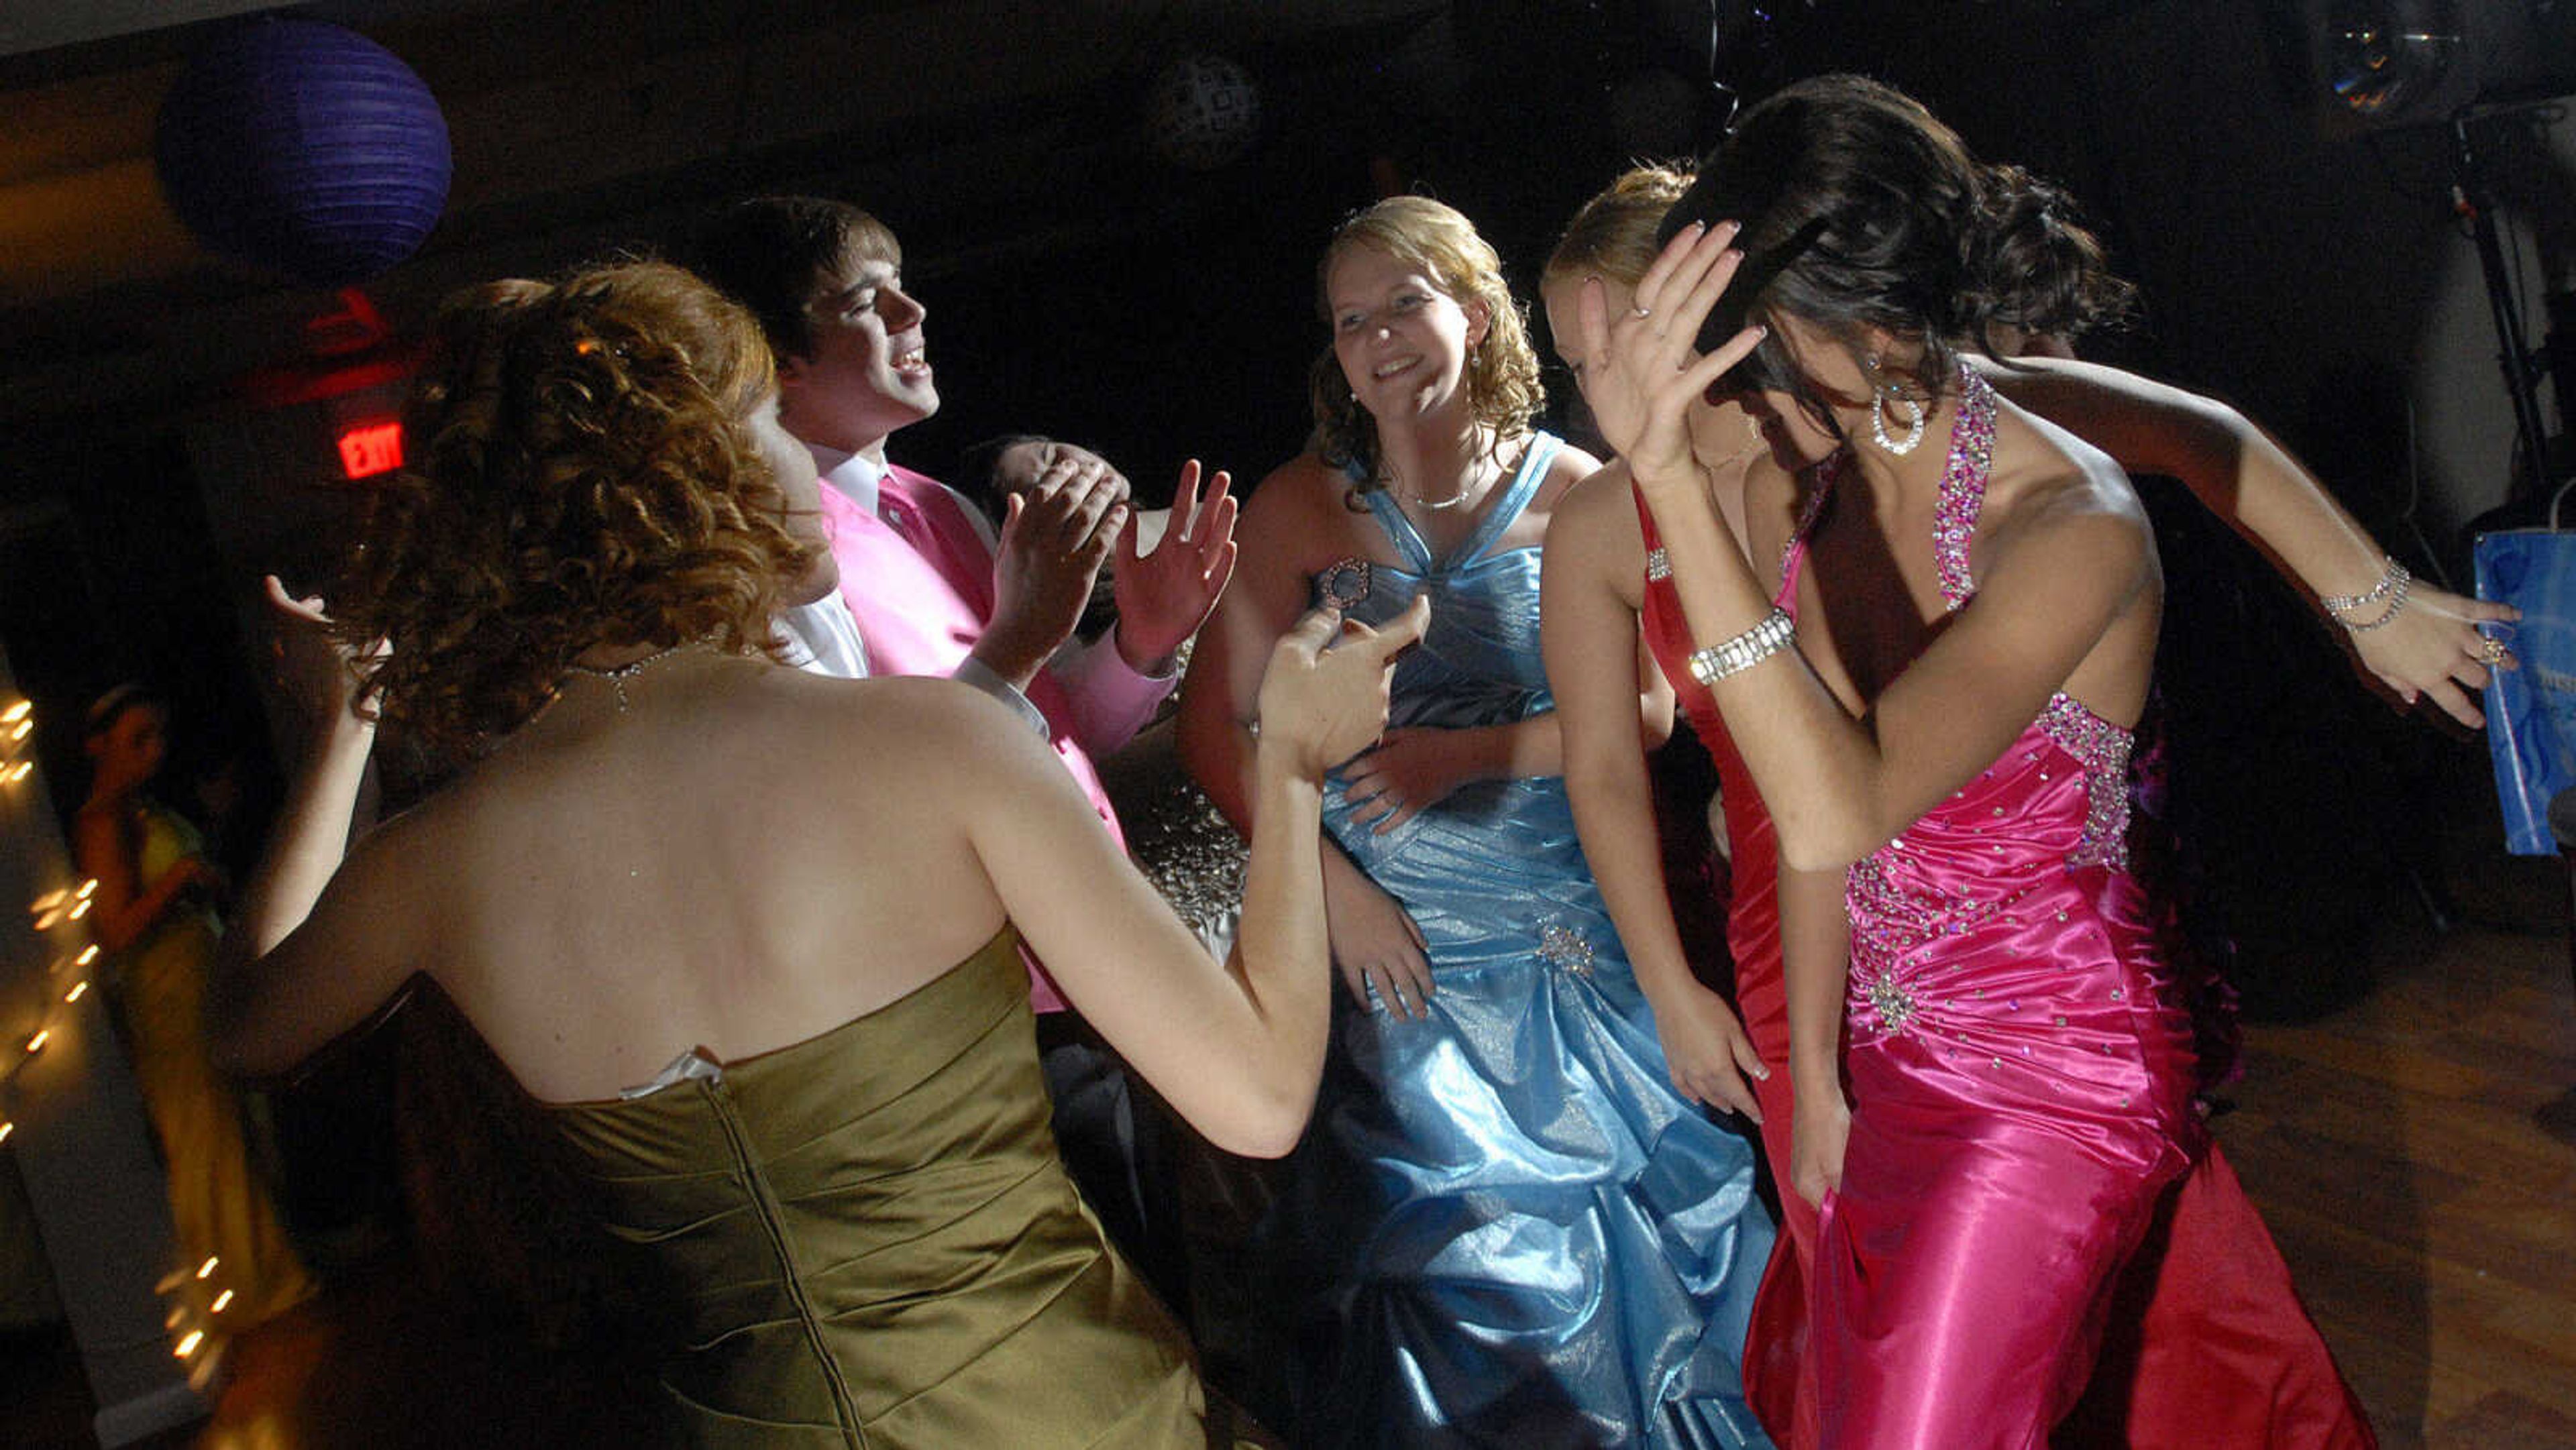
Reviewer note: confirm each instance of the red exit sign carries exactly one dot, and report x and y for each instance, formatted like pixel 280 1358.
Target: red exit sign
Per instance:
pixel 370 449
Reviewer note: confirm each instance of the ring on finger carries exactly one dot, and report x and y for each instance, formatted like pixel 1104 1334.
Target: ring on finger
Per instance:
pixel 1636 311
pixel 2491 652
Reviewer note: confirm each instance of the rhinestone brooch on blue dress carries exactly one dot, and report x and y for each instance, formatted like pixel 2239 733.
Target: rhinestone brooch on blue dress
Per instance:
pixel 1343 584
pixel 1562 947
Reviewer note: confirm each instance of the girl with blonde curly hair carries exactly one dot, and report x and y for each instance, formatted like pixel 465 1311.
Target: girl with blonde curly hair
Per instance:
pixel 1505 1225
pixel 775 1017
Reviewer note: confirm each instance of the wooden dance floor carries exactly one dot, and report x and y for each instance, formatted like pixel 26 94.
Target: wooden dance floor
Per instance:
pixel 2414 1153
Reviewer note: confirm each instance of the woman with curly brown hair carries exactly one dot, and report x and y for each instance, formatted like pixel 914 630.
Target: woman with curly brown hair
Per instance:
pixel 866 1232
pixel 1506 1226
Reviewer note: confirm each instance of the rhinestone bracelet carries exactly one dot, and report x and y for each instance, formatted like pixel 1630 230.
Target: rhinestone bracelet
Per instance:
pixel 1743 652
pixel 2393 579
pixel 2396 606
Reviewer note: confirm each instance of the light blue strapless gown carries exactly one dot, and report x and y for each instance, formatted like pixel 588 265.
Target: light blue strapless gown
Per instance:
pixel 1504 1224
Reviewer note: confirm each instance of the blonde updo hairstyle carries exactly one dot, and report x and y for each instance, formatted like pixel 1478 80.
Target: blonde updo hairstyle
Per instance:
pixel 1502 378
pixel 582 476
pixel 1613 235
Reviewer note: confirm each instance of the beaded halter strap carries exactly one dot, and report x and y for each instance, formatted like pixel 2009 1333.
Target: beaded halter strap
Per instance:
pixel 2100 746
pixel 1963 488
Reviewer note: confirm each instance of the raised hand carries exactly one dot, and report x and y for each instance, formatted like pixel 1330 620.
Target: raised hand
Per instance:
pixel 1163 597
pixel 314 668
pixel 1323 700
pixel 1324 696
pixel 1643 370
pixel 1054 539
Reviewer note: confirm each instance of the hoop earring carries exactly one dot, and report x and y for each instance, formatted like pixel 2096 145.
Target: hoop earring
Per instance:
pixel 1884 395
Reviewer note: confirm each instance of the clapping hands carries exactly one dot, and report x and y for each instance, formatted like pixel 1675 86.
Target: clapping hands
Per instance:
pixel 1163 597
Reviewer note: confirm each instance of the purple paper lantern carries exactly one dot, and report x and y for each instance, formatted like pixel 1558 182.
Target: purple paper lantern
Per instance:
pixel 303 147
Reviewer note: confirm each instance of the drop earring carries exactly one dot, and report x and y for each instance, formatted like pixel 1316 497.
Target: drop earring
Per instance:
pixel 1885 394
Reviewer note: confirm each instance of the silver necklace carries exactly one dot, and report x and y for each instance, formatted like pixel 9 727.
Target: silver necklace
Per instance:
pixel 618 675
pixel 1418 501
pixel 1466 487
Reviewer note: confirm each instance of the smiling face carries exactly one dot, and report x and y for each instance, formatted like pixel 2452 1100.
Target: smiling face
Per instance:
pixel 868 370
pixel 1403 343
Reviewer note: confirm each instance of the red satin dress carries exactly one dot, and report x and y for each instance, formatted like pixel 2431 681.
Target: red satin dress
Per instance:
pixel 2028 1199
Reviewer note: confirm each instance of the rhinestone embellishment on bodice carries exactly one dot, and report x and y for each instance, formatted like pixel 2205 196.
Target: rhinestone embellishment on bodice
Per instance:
pixel 2102 748
pixel 1894 1005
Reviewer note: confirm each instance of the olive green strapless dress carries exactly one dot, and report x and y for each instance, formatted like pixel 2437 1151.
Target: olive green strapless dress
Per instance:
pixel 874 1243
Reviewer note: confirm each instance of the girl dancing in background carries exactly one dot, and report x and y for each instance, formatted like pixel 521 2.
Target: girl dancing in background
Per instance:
pixel 1507 1226
pixel 155 915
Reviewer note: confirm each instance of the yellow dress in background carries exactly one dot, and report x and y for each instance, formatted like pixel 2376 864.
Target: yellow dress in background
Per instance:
pixel 218 1202
pixel 872 1240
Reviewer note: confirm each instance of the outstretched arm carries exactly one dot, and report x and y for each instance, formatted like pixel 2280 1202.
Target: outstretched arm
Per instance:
pixel 1376 944
pixel 1238 1051
pixel 2430 647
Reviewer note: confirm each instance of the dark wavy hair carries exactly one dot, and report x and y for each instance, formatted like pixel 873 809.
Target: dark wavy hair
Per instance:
pixel 582 477
pixel 1503 388
pixel 1861 210
pixel 2034 233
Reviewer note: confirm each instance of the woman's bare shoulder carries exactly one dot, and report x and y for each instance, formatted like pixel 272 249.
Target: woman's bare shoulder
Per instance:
pixel 1304 484
pixel 2044 472
pixel 898 719
pixel 1598 510
pixel 1571 465
pixel 1568 467
pixel 1302 518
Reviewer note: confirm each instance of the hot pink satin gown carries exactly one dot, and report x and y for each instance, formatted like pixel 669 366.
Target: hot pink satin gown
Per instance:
pixel 2007 995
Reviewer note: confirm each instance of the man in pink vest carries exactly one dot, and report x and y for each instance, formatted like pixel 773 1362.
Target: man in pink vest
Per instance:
pixel 927 589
